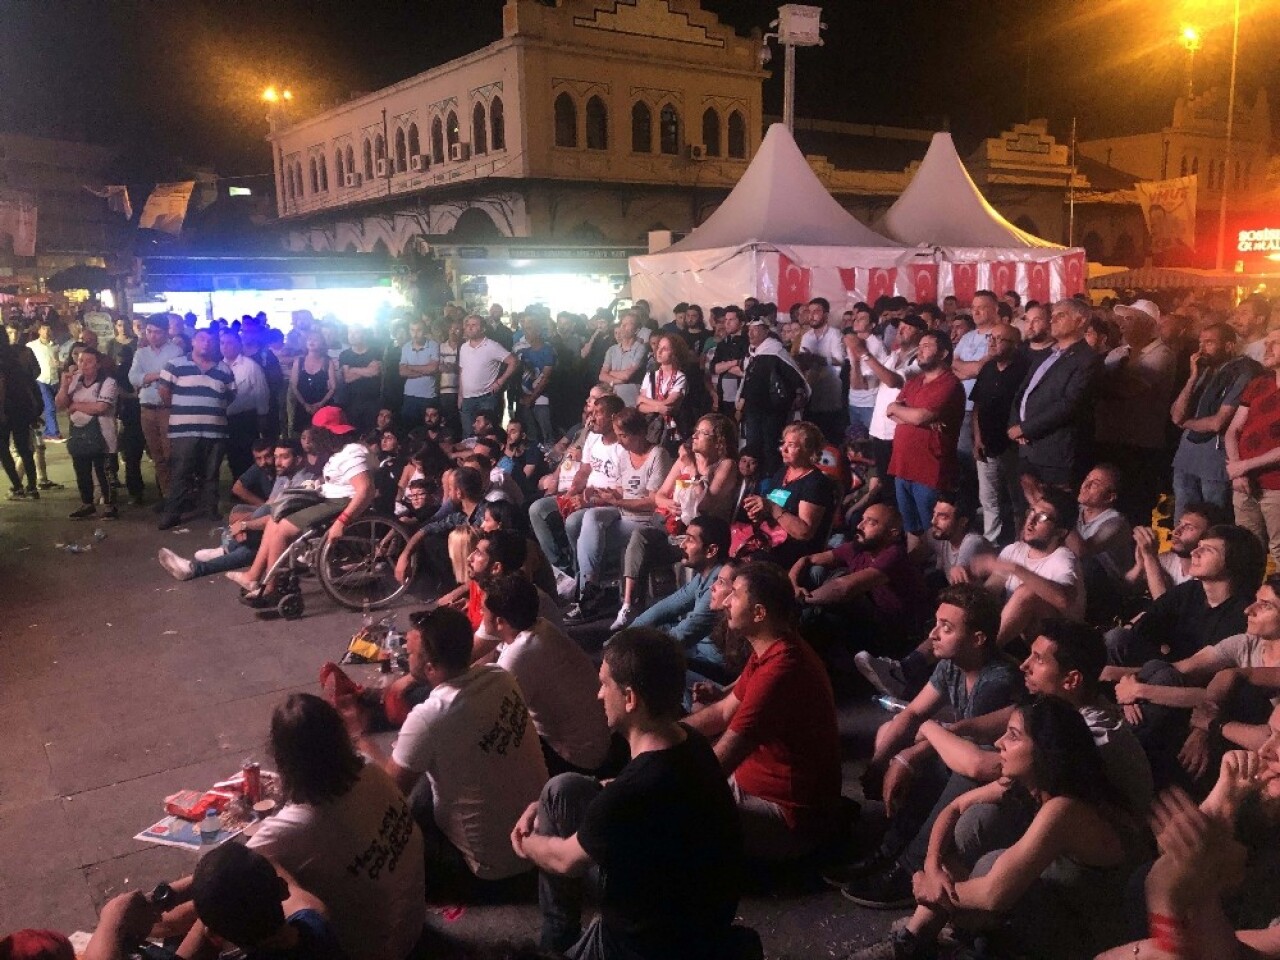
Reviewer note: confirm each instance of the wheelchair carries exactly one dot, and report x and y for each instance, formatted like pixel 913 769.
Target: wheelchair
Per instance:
pixel 357 569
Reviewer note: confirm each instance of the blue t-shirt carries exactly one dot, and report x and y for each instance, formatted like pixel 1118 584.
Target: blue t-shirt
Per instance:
pixel 316 940
pixel 999 684
pixel 423 387
pixel 533 360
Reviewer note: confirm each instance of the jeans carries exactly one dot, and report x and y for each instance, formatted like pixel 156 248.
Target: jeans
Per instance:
pixel 194 462
pixel 47 393
pixel 861 415
pixel 1189 488
pixel 236 556
pixel 553 533
pixel 86 469
pixel 473 405
pixel 1260 515
pixel 602 533
pixel 561 810
pixel 915 502
pixel 537 423
pixel 997 476
pixel 22 444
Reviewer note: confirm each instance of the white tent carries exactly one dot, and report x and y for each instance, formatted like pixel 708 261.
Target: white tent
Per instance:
pixel 975 246
pixel 778 236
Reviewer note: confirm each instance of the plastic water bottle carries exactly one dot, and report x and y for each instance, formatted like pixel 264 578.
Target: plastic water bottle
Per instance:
pixel 210 827
pixel 892 704
pixel 366 619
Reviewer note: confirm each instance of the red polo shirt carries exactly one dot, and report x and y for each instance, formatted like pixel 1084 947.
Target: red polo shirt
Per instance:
pixel 927 454
pixel 1262 427
pixel 788 710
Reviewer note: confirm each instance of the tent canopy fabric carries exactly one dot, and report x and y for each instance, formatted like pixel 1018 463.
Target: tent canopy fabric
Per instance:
pixel 943 207
pixel 779 201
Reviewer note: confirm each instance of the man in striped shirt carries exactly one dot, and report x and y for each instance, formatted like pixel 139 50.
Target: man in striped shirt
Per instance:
pixel 197 389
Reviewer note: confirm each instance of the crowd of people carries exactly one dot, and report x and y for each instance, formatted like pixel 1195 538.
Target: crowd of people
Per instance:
pixel 1041 532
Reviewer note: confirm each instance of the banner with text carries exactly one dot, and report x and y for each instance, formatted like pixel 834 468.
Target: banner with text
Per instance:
pixel 166 208
pixel 1169 208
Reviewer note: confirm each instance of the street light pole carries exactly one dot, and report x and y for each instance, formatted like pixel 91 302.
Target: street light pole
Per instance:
pixel 789 87
pixel 1231 116
pixel 798 25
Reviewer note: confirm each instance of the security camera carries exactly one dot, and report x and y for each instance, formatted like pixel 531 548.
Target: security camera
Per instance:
pixel 766 54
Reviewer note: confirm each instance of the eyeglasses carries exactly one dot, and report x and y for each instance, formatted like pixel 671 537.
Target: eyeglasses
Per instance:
pixel 1041 517
pixel 991 337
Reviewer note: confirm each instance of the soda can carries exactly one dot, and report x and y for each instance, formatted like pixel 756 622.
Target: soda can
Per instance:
pixel 252 772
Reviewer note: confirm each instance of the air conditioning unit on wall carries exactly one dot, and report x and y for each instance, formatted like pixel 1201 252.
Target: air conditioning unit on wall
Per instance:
pixel 420 163
pixel 460 151
pixel 697 151
pixel 381 168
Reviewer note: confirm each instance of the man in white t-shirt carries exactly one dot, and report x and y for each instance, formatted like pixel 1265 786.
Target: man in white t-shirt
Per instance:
pixel 468 756
pixel 951 543
pixel 822 339
pixel 1037 575
pixel 484 367
pixel 1102 540
pixel 1159 571
pixel 862 376
pixel 971 352
pixel 556 676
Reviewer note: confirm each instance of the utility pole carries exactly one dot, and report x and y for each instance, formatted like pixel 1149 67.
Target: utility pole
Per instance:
pixel 798 25
pixel 1071 191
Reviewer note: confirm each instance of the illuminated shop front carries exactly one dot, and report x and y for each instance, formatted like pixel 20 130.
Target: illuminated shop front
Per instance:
pixel 577 279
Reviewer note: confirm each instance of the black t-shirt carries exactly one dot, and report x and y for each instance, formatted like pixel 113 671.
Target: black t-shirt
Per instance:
pixel 366 389
pixel 667 837
pixel 815 487
pixel 1182 620
pixel 993 393
pixel 257 481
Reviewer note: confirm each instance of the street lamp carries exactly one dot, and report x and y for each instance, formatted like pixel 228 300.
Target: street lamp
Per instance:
pixel 1190 39
pixel 798 25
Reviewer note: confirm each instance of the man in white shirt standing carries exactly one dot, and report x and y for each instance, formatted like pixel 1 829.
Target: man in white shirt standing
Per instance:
pixel 822 339
pixel 970 354
pixel 485 366
pixel 419 365
pixel 247 413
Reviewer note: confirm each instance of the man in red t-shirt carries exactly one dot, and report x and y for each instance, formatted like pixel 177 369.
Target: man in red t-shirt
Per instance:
pixel 928 412
pixel 779 743
pixel 1253 451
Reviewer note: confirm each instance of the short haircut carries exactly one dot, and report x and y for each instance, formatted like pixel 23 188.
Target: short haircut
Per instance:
pixel 1014 296
pixel 981 609
pixel 811 437
pixel 158 320
pixel 446 638
pixel 1064 506
pixel 963 506
pixel 513 598
pixel 986 294
pixel 652 665
pixel 312 750
pixel 769 587
pixel 1224 330
pixel 611 403
pixel 238 894
pixel 262 445
pixel 292 444
pixel 503 513
pixel 1076 646
pixel 1211 512
pixel 631 422
pixel 945 346
pixel 1079 309
pixel 715 532
pixel 507 547
pixel 1113 474
pixel 1244 556
pixel 471 482
pixel 419 484
pixel 822 302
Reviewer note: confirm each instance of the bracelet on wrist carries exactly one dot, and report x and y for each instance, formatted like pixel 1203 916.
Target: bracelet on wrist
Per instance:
pixel 897 758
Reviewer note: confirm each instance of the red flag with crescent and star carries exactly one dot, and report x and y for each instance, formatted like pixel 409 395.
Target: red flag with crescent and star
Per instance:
pixel 964 282
pixel 793 283
pixel 881 282
pixel 1004 277
pixel 1038 282
pixel 1073 274
pixel 922 280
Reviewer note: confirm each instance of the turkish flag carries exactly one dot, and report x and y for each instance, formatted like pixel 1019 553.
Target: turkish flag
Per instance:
pixel 1038 282
pixel 922 281
pixel 1004 277
pixel 964 282
pixel 881 282
pixel 848 280
pixel 1072 274
pixel 793 284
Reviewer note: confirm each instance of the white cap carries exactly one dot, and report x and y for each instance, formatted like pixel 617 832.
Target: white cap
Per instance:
pixel 1145 307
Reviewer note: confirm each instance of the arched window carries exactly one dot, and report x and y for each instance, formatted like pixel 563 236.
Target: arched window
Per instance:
pixel 380 151
pixel 1195 165
pixel 566 119
pixel 402 151
pixel 1183 168
pixel 711 131
pixel 641 128
pixel 597 125
pixel 669 129
pixel 479 130
pixel 737 136
pixel 290 190
pixel 351 160
pixel 497 125
pixel 452 133
pixel 415 142
pixel 339 168
pixel 315 176
pixel 324 174
pixel 368 159
pixel 437 140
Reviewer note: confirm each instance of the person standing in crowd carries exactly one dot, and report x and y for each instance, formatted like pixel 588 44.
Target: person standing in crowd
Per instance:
pixel 253 337
pixel 995 455
pixel 727 360
pixel 1052 415
pixel 312 382
pixel 899 367
pixel 450 329
pixel 1253 455
pixel 772 390
pixel 485 366
pixel 20 406
pixel 859 340
pixel 972 351
pixel 1250 320
pixel 537 365
pixel 246 414
pixel 419 365
pixel 145 372
pixel 46 354
pixel 88 395
pixel 1203 409
pixel 197 390
pixel 624 362
pixel 928 412
pixel 122 348
pixel 360 376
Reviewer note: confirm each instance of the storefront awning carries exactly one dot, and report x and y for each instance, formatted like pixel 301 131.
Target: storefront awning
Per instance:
pixel 1164 278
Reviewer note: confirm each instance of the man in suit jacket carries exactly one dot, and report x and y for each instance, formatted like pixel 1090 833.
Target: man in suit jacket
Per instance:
pixel 1052 415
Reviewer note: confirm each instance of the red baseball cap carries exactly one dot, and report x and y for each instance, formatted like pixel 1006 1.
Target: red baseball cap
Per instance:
pixel 331 419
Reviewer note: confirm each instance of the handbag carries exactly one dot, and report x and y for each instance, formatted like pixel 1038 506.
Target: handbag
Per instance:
pixel 87 442
pixel 748 538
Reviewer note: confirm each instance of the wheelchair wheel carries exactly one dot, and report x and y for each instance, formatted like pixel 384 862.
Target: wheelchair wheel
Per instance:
pixel 360 566
pixel 290 606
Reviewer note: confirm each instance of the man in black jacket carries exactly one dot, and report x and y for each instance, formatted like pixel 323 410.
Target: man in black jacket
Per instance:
pixel 1052 415
pixel 772 388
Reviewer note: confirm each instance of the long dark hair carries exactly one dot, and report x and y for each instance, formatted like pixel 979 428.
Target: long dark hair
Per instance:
pixel 1065 760
pixel 312 750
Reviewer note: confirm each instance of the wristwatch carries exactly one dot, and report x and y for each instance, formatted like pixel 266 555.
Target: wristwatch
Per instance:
pixel 163 896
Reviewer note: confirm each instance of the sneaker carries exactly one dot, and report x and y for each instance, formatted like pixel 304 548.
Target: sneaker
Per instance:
pixel 623 617
pixel 883 673
pixel 842 874
pixel 207 554
pixel 112 513
pixel 84 513
pixel 575 613
pixel 889 889
pixel 17 494
pixel 566 586
pixel 50 485
pixel 899 945
pixel 33 494
pixel 168 522
pixel 178 568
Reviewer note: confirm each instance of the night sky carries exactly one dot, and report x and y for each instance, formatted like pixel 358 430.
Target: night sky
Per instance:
pixel 178 82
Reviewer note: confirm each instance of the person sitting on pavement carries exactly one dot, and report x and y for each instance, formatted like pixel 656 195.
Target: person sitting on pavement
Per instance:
pixel 468 757
pixel 663 832
pixel 244 526
pixel 1101 540
pixel 1155 572
pixel 463 507
pixel 1226 569
pixel 972 677
pixel 1052 892
pixel 875 593
pixel 347 491
pixel 778 741
pixel 952 543
pixel 555 675
pixel 801 504
pixel 253 487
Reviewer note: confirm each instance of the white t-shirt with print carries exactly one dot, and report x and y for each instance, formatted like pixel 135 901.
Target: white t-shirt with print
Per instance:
pixel 362 855
pixel 103 390
pixel 560 682
pixel 474 740
pixel 341 469
pixel 639 482
pixel 603 459
pixel 1061 566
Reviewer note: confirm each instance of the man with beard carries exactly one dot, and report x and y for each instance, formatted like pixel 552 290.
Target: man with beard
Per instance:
pixel 1036 339
pixel 1157 572
pixel 772 388
pixel 728 358
pixel 891 373
pixel 878 591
